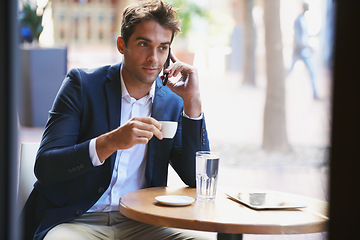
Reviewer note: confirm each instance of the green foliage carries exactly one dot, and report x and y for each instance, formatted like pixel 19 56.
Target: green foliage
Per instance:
pixel 187 10
pixel 29 18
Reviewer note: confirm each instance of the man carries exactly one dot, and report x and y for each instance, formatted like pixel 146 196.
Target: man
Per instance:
pixel 103 136
pixel 301 49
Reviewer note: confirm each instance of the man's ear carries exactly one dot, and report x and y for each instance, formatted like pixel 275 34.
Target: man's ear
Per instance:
pixel 120 44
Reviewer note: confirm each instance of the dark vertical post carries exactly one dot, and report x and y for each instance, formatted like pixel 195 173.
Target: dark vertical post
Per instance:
pixel 9 228
pixel 345 154
pixel 229 236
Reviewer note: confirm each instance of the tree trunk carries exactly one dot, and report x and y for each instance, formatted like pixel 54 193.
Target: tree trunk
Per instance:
pixel 274 134
pixel 250 42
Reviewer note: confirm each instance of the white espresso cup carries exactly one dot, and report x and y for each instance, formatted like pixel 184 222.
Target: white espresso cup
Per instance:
pixel 168 128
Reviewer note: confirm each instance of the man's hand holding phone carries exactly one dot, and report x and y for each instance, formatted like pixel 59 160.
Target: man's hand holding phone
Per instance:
pixel 187 86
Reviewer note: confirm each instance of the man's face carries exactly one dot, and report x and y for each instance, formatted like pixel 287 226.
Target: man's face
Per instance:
pixel 145 53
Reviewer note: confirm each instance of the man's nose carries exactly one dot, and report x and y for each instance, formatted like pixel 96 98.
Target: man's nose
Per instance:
pixel 152 56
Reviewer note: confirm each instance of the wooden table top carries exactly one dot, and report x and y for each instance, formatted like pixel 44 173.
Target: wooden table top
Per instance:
pixel 223 215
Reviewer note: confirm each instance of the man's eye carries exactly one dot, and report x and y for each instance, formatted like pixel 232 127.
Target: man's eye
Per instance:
pixel 163 48
pixel 143 44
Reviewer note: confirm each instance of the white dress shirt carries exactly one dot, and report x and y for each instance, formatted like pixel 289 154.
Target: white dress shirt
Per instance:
pixel 129 168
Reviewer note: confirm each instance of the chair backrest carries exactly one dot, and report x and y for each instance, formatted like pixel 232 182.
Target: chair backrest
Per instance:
pixel 27 177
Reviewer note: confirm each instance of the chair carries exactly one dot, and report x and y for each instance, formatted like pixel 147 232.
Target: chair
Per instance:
pixel 27 179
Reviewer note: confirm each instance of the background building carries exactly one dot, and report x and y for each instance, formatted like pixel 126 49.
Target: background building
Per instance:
pixel 79 22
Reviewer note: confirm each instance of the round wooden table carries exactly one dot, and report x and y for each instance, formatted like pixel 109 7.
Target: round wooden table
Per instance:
pixel 223 215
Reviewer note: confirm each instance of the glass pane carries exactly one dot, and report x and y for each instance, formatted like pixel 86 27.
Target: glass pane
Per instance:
pixel 265 76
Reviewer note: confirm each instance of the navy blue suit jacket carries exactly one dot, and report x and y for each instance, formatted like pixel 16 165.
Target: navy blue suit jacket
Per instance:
pixel 87 105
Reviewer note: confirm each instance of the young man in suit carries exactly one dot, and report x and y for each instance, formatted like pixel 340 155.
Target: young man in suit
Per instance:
pixel 103 138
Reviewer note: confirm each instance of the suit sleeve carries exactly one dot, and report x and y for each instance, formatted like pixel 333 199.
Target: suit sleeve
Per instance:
pixel 60 156
pixel 193 138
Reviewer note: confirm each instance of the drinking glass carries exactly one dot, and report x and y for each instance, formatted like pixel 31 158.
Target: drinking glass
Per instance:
pixel 207 166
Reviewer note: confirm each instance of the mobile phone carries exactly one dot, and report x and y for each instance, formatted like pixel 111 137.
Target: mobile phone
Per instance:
pixel 166 65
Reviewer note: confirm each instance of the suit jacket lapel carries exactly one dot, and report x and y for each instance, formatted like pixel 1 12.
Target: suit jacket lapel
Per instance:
pixel 113 96
pixel 158 109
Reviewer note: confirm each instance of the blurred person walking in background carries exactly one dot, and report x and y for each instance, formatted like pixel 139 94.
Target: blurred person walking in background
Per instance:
pixel 301 48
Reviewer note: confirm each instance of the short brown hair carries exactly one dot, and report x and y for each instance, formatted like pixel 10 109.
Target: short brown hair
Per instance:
pixel 157 10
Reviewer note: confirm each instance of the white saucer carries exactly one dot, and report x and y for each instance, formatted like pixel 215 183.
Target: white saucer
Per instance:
pixel 175 200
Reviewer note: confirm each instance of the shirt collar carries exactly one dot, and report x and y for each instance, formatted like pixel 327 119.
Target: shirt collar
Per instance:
pixel 125 94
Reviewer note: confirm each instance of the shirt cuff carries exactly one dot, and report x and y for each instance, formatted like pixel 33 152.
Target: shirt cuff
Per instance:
pixel 93 154
pixel 198 118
